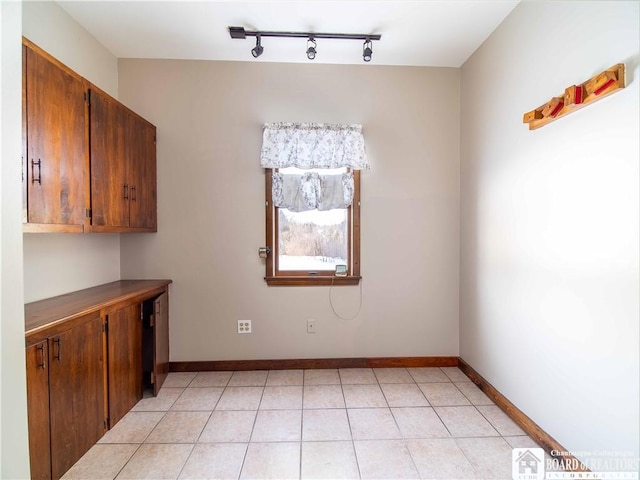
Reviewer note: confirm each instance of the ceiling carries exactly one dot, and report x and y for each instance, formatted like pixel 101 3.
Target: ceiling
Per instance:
pixel 421 33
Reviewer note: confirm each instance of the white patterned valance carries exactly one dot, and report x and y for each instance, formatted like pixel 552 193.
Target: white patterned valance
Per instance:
pixel 311 191
pixel 313 145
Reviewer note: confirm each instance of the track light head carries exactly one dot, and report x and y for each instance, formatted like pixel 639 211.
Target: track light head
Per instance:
pixel 258 49
pixel 367 50
pixel 311 48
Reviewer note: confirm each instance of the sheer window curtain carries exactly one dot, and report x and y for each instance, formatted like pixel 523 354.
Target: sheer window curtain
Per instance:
pixel 313 146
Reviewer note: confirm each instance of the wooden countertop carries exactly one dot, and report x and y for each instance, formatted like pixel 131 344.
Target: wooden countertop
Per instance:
pixel 44 313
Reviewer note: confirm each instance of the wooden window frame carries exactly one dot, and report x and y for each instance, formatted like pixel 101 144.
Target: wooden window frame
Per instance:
pixel 305 278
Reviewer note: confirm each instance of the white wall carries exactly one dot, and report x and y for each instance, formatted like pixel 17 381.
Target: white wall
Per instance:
pixel 14 460
pixel 61 263
pixel 550 220
pixel 211 207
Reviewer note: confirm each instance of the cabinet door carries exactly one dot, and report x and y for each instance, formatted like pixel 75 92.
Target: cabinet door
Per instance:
pixel 76 393
pixel 161 341
pixel 38 410
pixel 110 189
pixel 24 159
pixel 56 143
pixel 142 175
pixel 124 340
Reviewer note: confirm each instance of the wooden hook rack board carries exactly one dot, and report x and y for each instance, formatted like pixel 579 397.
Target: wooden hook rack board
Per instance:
pixel 577 96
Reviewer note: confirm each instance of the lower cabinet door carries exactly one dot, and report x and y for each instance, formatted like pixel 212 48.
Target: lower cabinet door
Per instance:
pixel 124 339
pixel 38 408
pixel 76 393
pixel 160 341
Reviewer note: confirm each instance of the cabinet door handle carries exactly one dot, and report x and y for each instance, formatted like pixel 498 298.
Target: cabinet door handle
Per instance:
pixel 57 355
pixel 126 191
pixel 42 364
pixel 134 195
pixel 33 174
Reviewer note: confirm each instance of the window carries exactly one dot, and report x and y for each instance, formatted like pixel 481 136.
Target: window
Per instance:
pixel 313 202
pixel 306 246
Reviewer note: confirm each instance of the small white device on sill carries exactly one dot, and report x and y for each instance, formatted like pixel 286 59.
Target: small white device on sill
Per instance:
pixel 341 270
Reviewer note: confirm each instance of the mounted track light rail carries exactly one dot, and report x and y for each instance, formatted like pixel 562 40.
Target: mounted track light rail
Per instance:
pixel 312 37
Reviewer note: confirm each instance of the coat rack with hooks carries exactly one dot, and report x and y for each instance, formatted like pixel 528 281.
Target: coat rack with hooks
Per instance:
pixel 577 96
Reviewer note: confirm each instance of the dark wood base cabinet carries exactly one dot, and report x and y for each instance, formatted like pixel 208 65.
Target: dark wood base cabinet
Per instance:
pixel 90 354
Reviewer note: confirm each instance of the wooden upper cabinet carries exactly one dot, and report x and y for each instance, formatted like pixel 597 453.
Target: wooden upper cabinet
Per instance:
pixel 55 151
pixel 71 128
pixel 143 205
pixel 123 167
pixel 109 187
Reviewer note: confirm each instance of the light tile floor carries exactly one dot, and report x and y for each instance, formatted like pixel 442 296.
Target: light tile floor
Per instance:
pixel 359 423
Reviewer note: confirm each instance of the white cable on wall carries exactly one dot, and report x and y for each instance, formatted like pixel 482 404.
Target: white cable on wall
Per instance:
pixel 333 308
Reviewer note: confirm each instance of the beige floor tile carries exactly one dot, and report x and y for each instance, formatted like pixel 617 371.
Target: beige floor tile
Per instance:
pixel 443 394
pixel 465 422
pixel 271 419
pixel 178 379
pixel 101 462
pixel 440 458
pixel 161 403
pixel 228 426
pixel 240 398
pixel 324 376
pixel 156 461
pixel 282 398
pixel 285 377
pixel 329 460
pixel 179 427
pixel 385 459
pixel 404 395
pixel 323 396
pixel 521 441
pixel 491 457
pixel 211 379
pixel 250 378
pixel 272 461
pixel 473 393
pixel 134 427
pixel 455 374
pixel 194 399
pixel 427 374
pixel 500 421
pixel 363 396
pixel 373 424
pixel 277 426
pixel 419 422
pixel 325 424
pixel 214 461
pixel 393 375
pixel 357 376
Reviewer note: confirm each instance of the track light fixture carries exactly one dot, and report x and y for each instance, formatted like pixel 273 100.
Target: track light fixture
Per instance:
pixel 367 50
pixel 311 48
pixel 258 49
pixel 367 47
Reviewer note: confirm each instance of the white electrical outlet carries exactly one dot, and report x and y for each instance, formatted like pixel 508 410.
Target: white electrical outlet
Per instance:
pixel 311 326
pixel 244 326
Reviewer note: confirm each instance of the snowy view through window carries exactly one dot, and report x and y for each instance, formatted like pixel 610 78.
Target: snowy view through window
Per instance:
pixel 312 240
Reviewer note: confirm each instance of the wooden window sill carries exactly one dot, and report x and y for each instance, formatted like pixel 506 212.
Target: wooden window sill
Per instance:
pixel 324 280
